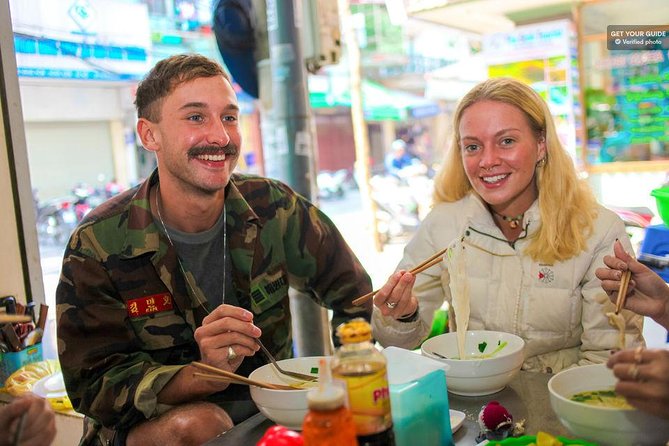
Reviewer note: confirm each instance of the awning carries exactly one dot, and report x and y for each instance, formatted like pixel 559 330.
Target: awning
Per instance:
pixel 379 103
pixel 452 82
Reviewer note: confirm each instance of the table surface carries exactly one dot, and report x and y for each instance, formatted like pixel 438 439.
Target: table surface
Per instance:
pixel 526 398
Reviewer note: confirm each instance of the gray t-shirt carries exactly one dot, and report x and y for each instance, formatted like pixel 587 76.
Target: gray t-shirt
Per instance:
pixel 203 253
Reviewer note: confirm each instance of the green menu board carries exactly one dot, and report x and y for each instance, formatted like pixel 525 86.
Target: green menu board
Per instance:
pixel 630 122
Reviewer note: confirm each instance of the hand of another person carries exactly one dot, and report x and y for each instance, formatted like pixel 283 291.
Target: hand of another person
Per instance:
pixel 226 336
pixel 648 293
pixel 395 298
pixel 644 378
pixel 39 425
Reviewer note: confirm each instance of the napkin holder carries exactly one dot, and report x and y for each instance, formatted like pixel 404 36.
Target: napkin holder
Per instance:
pixel 418 398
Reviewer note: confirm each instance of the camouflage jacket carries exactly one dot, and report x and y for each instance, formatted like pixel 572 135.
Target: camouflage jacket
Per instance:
pixel 126 316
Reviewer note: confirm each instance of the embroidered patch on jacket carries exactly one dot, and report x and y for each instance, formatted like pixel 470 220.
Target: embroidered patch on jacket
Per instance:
pixel 261 293
pixel 546 275
pixel 155 303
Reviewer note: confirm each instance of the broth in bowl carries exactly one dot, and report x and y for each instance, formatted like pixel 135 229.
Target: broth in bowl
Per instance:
pixel 601 398
pixel 602 424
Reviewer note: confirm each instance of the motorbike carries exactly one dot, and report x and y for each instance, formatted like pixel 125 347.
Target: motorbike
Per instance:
pixel 86 198
pixel 397 210
pixel 636 220
pixel 56 219
pixel 332 185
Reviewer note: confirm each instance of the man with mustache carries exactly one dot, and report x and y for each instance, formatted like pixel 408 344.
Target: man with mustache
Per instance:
pixel 194 264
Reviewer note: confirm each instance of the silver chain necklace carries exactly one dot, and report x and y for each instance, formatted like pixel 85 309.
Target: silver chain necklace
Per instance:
pixel 183 270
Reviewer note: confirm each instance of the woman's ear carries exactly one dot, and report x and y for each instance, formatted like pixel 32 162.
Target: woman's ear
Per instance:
pixel 148 134
pixel 541 148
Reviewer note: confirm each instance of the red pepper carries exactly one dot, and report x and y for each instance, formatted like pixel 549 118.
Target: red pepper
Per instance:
pixel 280 436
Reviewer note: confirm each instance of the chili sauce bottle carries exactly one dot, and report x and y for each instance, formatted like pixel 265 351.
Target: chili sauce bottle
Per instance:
pixel 363 369
pixel 328 422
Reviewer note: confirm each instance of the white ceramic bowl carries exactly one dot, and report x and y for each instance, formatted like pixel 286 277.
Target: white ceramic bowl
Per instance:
pixel 475 377
pixel 603 425
pixel 285 407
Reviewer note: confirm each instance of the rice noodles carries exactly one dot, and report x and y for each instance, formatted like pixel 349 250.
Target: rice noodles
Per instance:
pixel 456 260
pixel 618 321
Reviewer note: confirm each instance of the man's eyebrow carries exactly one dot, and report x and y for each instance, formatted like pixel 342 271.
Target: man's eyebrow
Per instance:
pixel 231 107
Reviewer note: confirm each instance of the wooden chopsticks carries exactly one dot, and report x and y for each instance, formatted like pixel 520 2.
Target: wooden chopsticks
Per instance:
pixel 10 318
pixel 216 374
pixel 622 291
pixel 425 264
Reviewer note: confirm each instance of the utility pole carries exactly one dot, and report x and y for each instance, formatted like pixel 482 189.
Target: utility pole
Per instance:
pixel 360 135
pixel 290 149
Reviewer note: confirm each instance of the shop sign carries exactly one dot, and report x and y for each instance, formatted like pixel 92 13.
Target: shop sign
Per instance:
pixel 81 39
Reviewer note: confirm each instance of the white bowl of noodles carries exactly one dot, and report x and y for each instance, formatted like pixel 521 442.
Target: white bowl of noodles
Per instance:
pixel 285 407
pixel 492 360
pixel 611 421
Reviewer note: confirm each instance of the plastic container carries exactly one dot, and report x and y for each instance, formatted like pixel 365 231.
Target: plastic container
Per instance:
pixel 656 243
pixel 662 200
pixel 419 398
pixel 362 369
pixel 328 422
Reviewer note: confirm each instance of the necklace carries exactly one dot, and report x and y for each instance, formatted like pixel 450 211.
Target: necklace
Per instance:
pixel 513 221
pixel 181 267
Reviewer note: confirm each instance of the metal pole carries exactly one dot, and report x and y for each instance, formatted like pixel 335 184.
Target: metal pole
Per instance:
pixel 289 143
pixel 360 134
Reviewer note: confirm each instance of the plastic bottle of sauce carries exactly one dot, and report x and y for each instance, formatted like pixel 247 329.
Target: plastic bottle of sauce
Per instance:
pixel 328 422
pixel 363 368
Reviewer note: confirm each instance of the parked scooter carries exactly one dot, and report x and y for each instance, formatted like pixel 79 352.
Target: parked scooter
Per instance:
pixel 86 199
pixel 636 220
pixel 397 210
pixel 56 219
pixel 332 185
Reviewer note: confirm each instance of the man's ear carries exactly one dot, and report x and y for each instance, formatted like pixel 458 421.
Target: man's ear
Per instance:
pixel 148 134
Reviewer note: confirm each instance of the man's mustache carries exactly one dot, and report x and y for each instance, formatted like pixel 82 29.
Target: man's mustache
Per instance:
pixel 229 149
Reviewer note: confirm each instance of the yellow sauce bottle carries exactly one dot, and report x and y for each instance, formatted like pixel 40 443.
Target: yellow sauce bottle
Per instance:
pixel 362 368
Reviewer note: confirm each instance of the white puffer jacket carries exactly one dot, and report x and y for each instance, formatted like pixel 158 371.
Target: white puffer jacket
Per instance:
pixel 559 310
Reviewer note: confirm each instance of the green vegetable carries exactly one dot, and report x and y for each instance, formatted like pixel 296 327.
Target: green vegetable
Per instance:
pixel 482 346
pixel 314 370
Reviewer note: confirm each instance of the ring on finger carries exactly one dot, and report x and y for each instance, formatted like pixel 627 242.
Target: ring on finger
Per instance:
pixel 391 305
pixel 231 354
pixel 634 372
pixel 638 354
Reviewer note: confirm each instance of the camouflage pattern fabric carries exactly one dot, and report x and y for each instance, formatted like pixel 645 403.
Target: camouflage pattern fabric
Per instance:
pixel 125 310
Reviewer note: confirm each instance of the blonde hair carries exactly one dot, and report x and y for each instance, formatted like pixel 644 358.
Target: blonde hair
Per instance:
pixel 565 225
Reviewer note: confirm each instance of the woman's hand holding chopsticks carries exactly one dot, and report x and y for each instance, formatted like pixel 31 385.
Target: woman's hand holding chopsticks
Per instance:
pixel 396 298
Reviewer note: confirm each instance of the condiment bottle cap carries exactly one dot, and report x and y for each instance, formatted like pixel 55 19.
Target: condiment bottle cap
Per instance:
pixel 356 330
pixel 327 396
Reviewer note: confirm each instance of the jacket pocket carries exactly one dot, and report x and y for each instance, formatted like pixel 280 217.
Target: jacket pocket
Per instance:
pixel 157 328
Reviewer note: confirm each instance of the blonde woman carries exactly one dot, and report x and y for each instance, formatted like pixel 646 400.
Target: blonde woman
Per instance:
pixel 532 235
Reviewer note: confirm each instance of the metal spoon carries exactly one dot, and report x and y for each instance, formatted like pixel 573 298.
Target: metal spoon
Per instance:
pixel 297 375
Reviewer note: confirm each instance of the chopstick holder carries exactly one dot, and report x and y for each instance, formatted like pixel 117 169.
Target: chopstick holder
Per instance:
pixel 622 291
pixel 422 266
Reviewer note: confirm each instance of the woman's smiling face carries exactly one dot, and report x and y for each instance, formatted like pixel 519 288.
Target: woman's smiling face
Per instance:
pixel 499 153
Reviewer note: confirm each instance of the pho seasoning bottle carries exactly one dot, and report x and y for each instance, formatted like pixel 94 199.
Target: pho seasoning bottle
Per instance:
pixel 328 422
pixel 363 369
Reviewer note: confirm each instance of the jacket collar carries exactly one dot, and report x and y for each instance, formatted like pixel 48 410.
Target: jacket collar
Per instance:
pixel 482 232
pixel 144 236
